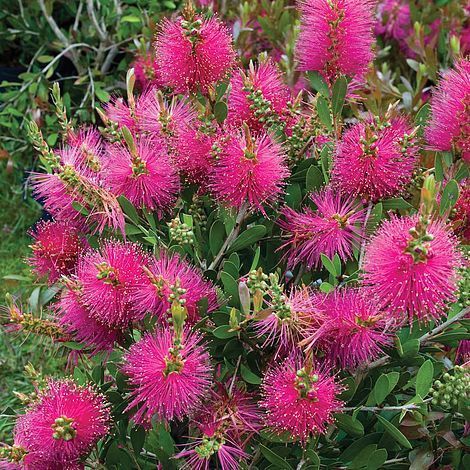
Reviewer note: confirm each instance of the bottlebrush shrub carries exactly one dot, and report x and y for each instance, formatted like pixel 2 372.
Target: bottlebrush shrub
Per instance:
pixel 246 277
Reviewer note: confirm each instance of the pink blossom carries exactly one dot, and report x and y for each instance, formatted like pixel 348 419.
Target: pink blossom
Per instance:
pixel 394 22
pixel 375 160
pixel 169 384
pixel 144 175
pixel 107 277
pixel 354 330
pixel 449 128
pixel 336 37
pixel 164 275
pixel 90 153
pixel 56 248
pixel 73 182
pixel 198 454
pixel 249 171
pixel 165 118
pixel 299 399
pixel 412 282
pixel 64 424
pixel 460 215
pixel 261 83
pixel 76 319
pixel 284 325
pixel 334 228
pixel 192 155
pixel 193 53
pixel 231 409
pixel 146 70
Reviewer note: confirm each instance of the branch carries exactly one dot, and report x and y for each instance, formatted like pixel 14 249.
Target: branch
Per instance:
pixel 231 237
pixel 91 13
pixel 425 338
pixel 377 409
pixel 60 36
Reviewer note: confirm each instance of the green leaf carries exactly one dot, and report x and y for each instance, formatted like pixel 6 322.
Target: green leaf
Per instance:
pixel 326 287
pixel 324 114
pixel 293 196
pixel 231 287
pixel 381 389
pixel 130 19
pixel 222 332
pixel 410 348
pixel 318 83
pixel 339 94
pixel 396 203
pixel 424 378
pixel 102 95
pixel 394 432
pixel 350 425
pixel 216 236
pixel 72 345
pixel 128 209
pixel 329 265
pixel 449 196
pixel 314 178
pixel 254 263
pixel 422 115
pixel 248 238
pixel 275 459
pixel 438 168
pixel 80 209
pixel 249 376
pixel 377 459
pixel 137 436
pixel 220 111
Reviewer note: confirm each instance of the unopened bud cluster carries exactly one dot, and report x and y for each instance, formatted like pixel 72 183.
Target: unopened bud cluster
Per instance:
pixel 180 232
pixel 452 388
pixel 196 210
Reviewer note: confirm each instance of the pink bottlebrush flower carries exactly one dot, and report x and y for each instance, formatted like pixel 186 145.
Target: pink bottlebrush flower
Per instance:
pixel 65 423
pixel 257 97
pixel 460 215
pixel 56 249
pixel 462 355
pixel 130 114
pixel 193 52
pixel 72 182
pixel 334 228
pixel 412 281
pixel 76 320
pixel 354 330
pixel 168 384
pixel 289 316
pixel 336 37
pixel 163 276
pixel 394 22
pixel 465 40
pixel 90 153
pixel 375 160
pixel 230 409
pixel 108 276
pixel 199 453
pixel 299 399
pixel 249 171
pixel 158 116
pixel 144 175
pixel 192 154
pixel 449 127
pixel 146 70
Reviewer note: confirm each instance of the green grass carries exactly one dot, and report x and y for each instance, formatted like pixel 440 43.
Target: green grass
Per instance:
pixel 17 349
